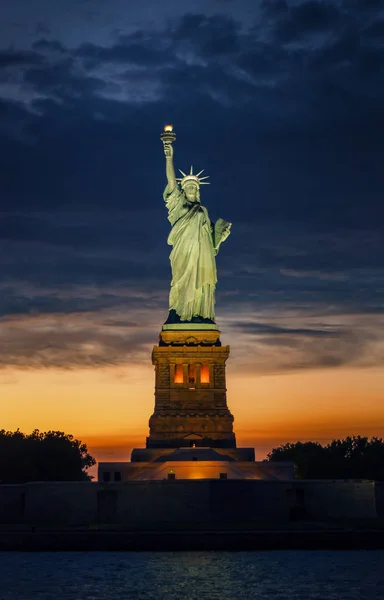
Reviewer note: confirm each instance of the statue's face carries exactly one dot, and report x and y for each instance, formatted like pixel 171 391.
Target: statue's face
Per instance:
pixel 190 190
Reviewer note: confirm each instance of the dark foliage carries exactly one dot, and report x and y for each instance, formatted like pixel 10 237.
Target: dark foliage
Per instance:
pixel 354 457
pixel 42 456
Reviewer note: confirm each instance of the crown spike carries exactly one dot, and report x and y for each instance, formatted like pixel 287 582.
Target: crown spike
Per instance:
pixel 191 171
pixel 206 177
pixel 182 172
pixel 197 174
pixel 205 183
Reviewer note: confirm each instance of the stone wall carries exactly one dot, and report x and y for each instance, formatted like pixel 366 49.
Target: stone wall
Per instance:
pixel 379 498
pixel 12 503
pixel 71 502
pixel 339 499
pixel 160 503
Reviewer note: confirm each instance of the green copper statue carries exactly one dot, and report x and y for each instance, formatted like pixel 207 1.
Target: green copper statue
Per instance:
pixel 195 240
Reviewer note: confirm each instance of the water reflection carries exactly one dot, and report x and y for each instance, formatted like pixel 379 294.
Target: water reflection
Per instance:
pixel 288 575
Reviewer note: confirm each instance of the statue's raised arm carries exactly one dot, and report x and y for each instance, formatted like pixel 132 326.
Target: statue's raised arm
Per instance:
pixel 169 168
pixel 195 242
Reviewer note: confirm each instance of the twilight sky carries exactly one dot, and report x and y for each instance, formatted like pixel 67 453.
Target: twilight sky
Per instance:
pixel 281 102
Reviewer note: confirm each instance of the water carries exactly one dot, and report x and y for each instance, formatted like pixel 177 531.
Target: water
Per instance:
pixel 277 575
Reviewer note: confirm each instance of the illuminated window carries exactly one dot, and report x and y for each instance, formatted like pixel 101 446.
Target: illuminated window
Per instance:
pixel 191 376
pixel 204 377
pixel 179 378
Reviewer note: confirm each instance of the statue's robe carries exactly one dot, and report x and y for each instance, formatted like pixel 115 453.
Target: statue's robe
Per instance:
pixel 192 258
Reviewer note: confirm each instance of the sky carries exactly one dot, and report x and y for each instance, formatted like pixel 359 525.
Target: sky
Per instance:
pixel 281 102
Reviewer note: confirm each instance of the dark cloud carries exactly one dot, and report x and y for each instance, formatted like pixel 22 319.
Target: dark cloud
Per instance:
pixel 69 346
pixel 307 18
pixel 125 52
pixel 14 303
pixel 213 37
pixel 350 340
pixel 119 323
pixel 47 46
pixel 272 330
pixel 375 30
pixel 64 80
pixel 17 58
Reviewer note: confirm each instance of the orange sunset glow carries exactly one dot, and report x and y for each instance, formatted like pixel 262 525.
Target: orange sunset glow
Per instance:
pixel 109 408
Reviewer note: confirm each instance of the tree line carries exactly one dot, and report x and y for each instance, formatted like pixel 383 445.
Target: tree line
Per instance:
pixel 353 457
pixel 42 456
pixel 57 456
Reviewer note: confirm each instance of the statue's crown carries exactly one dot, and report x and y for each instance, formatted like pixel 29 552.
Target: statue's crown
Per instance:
pixel 191 177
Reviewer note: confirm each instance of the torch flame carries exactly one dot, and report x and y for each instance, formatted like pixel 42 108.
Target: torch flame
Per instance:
pixel 168 128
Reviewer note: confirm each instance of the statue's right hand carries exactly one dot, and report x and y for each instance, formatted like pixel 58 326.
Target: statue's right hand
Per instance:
pixel 168 150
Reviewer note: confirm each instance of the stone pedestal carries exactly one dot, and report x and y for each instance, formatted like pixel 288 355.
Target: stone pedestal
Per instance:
pixel 190 390
pixel 191 430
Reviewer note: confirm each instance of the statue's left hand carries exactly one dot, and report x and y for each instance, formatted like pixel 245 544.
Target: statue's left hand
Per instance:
pixel 226 232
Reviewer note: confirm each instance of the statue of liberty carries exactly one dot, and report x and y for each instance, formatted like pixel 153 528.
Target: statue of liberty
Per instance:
pixel 195 242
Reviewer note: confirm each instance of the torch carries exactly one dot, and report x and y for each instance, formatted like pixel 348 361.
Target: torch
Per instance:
pixel 168 135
